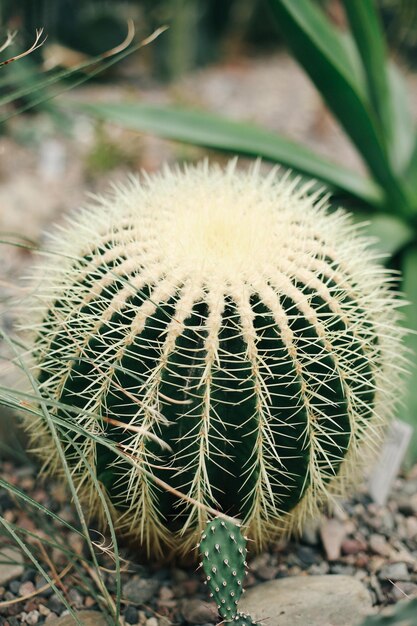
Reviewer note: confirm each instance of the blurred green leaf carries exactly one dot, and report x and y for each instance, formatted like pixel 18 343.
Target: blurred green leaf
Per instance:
pixel 411 171
pixel 367 30
pixel 211 131
pixel 403 123
pixel 313 42
pixel 403 614
pixel 41 82
pixel 409 412
pixel 312 31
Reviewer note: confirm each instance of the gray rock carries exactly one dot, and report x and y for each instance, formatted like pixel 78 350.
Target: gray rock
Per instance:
pixel 379 545
pixel 131 615
pixel 55 604
pixel 267 572
pixel 341 569
pixel 76 599
pixel 310 534
pixel 320 569
pixel 199 611
pixel 14 569
pixel 140 590
pixel 87 618
pixel 14 586
pixel 307 555
pixel 32 618
pixel 302 600
pixel 394 571
pixel 403 590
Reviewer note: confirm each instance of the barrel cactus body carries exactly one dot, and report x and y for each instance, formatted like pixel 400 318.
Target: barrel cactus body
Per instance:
pixel 232 317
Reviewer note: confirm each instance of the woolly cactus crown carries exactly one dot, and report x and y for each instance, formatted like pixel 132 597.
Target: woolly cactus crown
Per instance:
pixel 230 315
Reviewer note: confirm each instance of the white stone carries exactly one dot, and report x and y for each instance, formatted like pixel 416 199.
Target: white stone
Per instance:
pixel 12 570
pixel 87 618
pixel 308 600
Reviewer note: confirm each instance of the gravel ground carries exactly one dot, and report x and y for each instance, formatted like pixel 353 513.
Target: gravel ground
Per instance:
pixel 374 544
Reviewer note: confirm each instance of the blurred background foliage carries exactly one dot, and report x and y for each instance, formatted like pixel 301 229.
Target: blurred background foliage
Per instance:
pixel 200 30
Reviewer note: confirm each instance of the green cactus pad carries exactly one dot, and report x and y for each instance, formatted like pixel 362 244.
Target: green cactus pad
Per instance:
pixel 233 339
pixel 223 551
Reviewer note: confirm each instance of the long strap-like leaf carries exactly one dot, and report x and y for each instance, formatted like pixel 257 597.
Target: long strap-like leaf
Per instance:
pixel 211 131
pixel 312 40
pixel 366 29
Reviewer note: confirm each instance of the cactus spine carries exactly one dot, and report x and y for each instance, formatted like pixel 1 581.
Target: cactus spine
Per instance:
pixel 232 317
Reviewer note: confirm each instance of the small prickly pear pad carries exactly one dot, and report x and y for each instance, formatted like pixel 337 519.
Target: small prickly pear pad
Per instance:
pixel 223 550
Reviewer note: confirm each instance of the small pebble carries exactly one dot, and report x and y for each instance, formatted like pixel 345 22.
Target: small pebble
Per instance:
pixel 166 593
pixel 131 615
pixel 11 564
pixel 32 618
pixel 332 533
pixel 27 588
pixel 394 571
pixel 353 546
pixel 29 575
pixel 190 587
pixel 307 555
pixel 319 569
pixel 89 602
pixel 179 575
pixel 43 610
pixel 266 572
pixel 405 506
pixel 75 599
pixel 55 604
pixel 14 586
pixel 402 590
pixel 197 611
pixel 310 534
pixel 379 545
pixel 140 590
pixel 411 528
pixel 362 560
pixel 340 568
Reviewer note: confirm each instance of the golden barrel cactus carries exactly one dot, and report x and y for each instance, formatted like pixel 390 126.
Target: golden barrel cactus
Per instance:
pixel 232 316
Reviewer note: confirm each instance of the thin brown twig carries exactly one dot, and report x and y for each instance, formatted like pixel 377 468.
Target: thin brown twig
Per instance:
pixel 100 584
pixel 38 591
pixel 136 429
pixel 36 44
pixel 125 44
pixel 181 495
pixel 131 396
pixel 52 567
pixel 124 450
